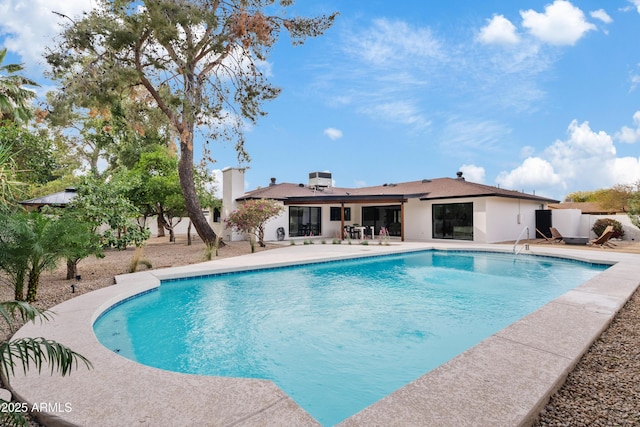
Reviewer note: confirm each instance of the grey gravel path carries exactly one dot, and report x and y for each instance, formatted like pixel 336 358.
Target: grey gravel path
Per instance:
pixel 604 388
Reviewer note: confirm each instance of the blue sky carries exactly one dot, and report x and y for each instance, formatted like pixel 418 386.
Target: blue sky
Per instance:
pixel 539 96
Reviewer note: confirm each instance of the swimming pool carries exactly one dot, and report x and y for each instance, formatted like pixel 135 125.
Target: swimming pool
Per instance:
pixel 336 337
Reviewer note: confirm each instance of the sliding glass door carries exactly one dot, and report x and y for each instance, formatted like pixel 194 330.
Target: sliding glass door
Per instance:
pixel 305 221
pixel 453 221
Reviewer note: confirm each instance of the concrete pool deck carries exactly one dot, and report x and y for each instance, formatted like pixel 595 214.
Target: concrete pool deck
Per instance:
pixel 503 381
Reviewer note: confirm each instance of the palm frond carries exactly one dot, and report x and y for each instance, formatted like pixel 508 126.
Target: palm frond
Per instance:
pixel 37 352
pixel 11 311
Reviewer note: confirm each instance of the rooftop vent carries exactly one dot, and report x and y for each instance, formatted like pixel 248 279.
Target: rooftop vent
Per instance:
pixel 459 175
pixel 320 179
pixel 425 181
pixel 273 182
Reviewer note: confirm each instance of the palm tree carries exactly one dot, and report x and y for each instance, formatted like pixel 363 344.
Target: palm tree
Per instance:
pixel 31 352
pixel 14 97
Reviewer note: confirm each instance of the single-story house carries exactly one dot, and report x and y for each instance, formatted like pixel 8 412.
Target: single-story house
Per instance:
pixel 428 209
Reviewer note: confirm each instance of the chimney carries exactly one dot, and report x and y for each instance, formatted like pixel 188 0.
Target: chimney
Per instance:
pixel 459 175
pixel 273 182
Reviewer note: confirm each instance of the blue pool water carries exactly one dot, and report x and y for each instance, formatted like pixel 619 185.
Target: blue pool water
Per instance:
pixel 337 336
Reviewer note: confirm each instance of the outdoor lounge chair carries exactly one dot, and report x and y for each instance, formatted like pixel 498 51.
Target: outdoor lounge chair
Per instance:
pixel 551 239
pixel 555 235
pixel 603 239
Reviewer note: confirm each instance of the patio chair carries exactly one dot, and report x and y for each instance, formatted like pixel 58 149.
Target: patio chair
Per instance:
pixel 603 239
pixel 546 239
pixel 555 235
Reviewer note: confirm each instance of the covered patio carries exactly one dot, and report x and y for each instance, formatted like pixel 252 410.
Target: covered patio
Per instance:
pixel 347 201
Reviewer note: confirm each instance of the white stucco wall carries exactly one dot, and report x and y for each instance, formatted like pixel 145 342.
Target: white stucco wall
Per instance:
pixel 507 218
pixel 232 188
pixel 573 223
pixel 417 220
pixel 569 222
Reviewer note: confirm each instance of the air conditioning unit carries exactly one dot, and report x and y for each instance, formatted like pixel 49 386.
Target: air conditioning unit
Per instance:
pixel 320 179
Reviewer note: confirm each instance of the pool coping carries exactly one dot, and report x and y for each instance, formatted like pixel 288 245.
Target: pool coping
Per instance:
pixel 504 380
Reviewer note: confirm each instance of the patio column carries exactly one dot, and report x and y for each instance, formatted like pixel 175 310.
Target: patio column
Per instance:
pixel 402 221
pixel 341 220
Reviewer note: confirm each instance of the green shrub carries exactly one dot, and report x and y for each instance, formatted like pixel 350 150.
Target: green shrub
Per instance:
pixel 601 224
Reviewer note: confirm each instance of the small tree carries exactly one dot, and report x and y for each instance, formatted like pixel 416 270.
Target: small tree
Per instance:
pixel 98 204
pixel 252 215
pixel 79 243
pixel 31 243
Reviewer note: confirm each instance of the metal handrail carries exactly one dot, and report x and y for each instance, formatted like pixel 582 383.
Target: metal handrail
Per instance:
pixel 526 245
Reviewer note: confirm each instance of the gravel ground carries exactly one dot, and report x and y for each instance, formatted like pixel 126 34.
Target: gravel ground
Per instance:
pixel 604 387
pixel 602 390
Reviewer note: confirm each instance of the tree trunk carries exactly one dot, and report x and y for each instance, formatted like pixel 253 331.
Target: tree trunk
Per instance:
pixel 187 183
pixel 160 221
pixel 19 291
pixel 72 269
pixel 32 289
pixel 189 234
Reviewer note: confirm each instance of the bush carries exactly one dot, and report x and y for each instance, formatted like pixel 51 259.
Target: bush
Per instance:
pixel 601 224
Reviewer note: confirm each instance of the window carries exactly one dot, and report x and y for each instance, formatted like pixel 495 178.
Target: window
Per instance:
pixel 216 214
pixel 453 221
pixel 383 216
pixel 336 216
pixel 305 221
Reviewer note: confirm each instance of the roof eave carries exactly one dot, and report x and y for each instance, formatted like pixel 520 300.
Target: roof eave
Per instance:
pixel 508 196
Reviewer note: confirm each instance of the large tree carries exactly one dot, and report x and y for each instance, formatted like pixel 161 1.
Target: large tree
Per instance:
pixel 197 59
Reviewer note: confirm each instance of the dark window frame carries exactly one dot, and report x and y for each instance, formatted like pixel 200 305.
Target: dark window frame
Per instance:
pixel 452 221
pixel 305 225
pixel 334 213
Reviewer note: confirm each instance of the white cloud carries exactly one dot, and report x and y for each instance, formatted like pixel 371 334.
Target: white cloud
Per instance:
pixel 533 173
pixel 333 133
pixel 635 81
pixel 636 4
pixel 561 23
pixel 386 41
pixel 602 15
pixel 402 112
pixel 586 160
pixel 499 30
pixel 30 25
pixel 630 135
pixel 473 173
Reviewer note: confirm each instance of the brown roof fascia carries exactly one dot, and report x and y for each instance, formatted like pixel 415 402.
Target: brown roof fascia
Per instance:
pixel 508 196
pixel 362 198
